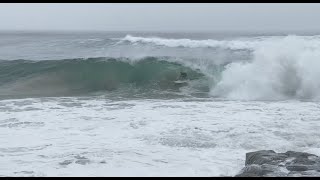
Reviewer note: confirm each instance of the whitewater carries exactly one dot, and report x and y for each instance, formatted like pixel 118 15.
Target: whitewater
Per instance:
pixel 106 104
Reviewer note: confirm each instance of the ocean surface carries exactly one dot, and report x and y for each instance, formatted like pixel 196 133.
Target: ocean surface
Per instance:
pixel 107 103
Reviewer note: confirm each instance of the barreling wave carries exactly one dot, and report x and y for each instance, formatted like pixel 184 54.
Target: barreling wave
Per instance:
pixel 83 76
pixel 280 67
pixel 251 68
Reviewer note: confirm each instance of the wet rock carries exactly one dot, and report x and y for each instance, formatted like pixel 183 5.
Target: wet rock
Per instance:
pixel 264 157
pixel 251 171
pixel 66 162
pixel 270 163
pixel 247 174
pixel 82 160
pixel 297 168
pixel 103 162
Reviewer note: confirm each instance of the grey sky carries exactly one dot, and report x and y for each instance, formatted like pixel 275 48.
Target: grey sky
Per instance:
pixel 160 17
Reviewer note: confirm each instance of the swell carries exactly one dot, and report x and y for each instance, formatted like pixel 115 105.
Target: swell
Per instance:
pixel 256 68
pixel 82 76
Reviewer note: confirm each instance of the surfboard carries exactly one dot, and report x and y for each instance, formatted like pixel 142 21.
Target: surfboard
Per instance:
pixel 180 82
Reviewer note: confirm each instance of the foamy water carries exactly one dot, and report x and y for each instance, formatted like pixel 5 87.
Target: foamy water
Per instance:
pixel 99 137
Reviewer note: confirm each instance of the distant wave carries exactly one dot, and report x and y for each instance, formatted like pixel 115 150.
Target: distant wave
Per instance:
pixel 235 44
pixel 210 43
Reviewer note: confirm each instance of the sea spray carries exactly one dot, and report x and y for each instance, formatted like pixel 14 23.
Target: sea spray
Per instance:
pixel 283 69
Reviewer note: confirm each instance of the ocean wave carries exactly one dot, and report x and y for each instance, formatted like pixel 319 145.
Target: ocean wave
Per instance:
pixel 81 76
pixel 281 67
pixel 284 69
pixel 270 68
pixel 250 43
pixel 189 43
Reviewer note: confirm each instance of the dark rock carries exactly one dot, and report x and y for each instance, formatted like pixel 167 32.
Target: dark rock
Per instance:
pixel 298 154
pixel 297 168
pixel 304 161
pixel 247 175
pixel 66 162
pixel 264 157
pixel 82 160
pixel 270 169
pixel 303 174
pixel 251 170
pixel 270 163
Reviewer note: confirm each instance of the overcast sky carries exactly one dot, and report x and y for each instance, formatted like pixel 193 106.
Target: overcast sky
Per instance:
pixel 160 17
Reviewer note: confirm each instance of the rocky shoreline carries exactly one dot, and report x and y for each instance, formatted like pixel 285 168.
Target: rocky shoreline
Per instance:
pixel 269 163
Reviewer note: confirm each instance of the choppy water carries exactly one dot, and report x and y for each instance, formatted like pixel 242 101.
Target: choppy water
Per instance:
pixel 105 104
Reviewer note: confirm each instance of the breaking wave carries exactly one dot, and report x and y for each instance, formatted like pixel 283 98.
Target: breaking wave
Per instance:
pixel 82 76
pixel 248 68
pixel 284 69
pixel 280 67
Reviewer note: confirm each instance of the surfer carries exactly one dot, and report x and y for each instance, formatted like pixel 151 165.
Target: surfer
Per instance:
pixel 182 79
pixel 183 76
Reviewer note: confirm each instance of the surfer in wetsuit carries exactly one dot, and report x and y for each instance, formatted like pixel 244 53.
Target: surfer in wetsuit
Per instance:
pixel 182 79
pixel 183 76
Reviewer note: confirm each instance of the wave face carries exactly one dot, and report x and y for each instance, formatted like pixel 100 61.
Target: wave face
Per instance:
pixel 83 76
pixel 245 68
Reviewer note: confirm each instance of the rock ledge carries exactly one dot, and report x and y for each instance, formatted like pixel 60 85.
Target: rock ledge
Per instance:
pixel 269 163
